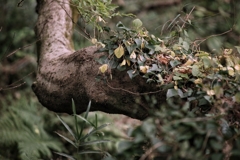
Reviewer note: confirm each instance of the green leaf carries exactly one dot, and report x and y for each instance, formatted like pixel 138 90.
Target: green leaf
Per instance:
pixel 67 139
pixel 88 109
pixel 65 155
pixel 66 126
pixel 123 146
pixel 195 70
pixel 132 73
pixel 121 68
pixel 185 45
pixel 85 120
pixel 172 93
pixel 175 78
pixel 94 131
pixel 174 63
pixel 138 42
pixel 121 26
pixel 94 142
pixel 137 23
pixel 238 48
pixel 94 152
pixel 206 62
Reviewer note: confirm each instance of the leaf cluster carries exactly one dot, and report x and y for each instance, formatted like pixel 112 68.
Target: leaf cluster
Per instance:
pixel 176 63
pixel 96 12
pixel 173 132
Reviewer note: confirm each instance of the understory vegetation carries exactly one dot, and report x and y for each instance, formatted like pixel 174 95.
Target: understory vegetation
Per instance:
pixel 196 63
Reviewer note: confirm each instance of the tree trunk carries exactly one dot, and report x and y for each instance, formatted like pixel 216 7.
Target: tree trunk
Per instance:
pixel 64 74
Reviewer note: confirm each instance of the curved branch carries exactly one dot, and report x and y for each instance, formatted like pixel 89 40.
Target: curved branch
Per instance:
pixel 64 74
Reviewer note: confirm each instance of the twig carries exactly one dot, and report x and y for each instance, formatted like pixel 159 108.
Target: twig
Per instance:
pixel 10 54
pixel 150 150
pixel 135 93
pixel 8 87
pixel 20 4
pixel 19 85
pixel 188 17
pixel 215 35
pixel 205 141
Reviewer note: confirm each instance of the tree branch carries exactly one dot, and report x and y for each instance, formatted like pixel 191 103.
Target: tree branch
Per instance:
pixel 64 74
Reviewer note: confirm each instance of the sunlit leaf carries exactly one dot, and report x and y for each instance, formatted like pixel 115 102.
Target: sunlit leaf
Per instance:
pixel 177 47
pixel 201 53
pixel 237 67
pixel 119 52
pixel 198 81
pixel 103 68
pixel 128 63
pixel 230 71
pixel 133 55
pixel 123 62
pixel 188 63
pixel 237 97
pixel 176 78
pixel 94 41
pixel 210 92
pixel 143 69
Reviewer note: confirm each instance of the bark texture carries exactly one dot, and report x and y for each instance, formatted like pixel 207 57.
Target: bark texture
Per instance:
pixel 64 74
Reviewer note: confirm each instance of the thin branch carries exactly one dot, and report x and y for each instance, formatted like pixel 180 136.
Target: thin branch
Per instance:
pixel 26 46
pixel 150 150
pixel 13 86
pixel 135 93
pixel 215 35
pixel 188 17
pixel 20 4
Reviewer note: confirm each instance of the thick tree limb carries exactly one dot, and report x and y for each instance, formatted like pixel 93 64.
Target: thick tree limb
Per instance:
pixel 64 74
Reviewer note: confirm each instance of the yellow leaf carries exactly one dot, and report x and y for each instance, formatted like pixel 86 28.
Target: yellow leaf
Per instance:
pixel 210 92
pixel 133 55
pixel 103 68
pixel 230 71
pixel 188 63
pixel 142 45
pixel 198 81
pixel 119 52
pixel 237 67
pixel 176 87
pixel 123 62
pixel 143 69
pixel 128 62
pixel 94 40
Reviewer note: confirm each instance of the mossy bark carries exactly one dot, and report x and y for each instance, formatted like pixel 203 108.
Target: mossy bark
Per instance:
pixel 64 74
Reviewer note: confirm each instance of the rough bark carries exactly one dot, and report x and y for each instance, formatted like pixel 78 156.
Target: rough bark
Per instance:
pixel 64 74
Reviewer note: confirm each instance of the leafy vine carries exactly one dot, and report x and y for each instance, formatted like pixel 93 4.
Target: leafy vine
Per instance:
pixel 176 64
